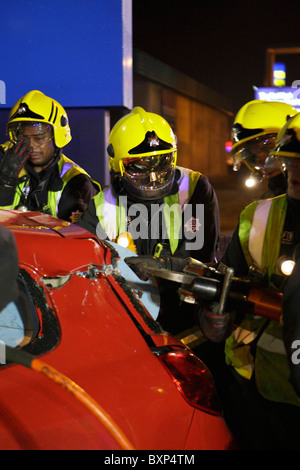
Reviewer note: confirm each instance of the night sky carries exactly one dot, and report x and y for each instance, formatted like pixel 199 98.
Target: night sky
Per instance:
pixel 222 44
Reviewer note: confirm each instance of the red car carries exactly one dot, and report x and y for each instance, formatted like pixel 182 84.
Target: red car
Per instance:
pixel 87 366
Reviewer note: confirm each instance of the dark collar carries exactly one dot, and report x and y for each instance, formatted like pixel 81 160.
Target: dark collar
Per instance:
pixel 50 176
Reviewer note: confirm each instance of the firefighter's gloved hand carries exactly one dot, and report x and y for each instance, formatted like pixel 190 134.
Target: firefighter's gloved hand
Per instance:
pixel 139 264
pixel 214 326
pixel 13 161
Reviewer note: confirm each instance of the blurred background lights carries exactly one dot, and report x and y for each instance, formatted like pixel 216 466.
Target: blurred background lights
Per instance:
pixel 228 146
pixel 251 181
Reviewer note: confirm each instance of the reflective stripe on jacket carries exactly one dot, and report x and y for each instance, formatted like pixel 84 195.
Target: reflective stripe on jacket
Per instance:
pixel 67 170
pixel 112 212
pixel 260 228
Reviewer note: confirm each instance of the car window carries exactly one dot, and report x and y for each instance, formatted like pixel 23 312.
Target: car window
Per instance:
pixel 12 328
pixel 19 322
pixel 22 321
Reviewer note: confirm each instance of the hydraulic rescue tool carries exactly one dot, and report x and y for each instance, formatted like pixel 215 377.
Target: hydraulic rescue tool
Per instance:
pixel 200 282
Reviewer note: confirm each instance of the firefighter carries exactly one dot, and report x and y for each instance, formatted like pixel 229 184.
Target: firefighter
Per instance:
pixel 34 173
pixel 163 209
pixel 260 403
pixel 253 136
pixel 160 210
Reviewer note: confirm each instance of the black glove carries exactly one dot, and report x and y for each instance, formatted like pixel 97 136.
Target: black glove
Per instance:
pixel 214 326
pixel 139 264
pixel 13 161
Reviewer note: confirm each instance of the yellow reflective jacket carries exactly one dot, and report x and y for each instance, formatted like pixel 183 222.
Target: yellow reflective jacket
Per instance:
pixel 260 228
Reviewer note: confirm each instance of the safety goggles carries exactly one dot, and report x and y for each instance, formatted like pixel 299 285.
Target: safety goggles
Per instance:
pixel 42 136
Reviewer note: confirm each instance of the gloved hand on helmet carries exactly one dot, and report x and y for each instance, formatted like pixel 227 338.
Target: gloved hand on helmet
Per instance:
pixel 13 161
pixel 215 326
pixel 139 264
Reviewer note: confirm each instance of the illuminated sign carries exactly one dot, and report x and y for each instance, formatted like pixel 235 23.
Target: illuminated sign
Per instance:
pixel 279 74
pixel 289 95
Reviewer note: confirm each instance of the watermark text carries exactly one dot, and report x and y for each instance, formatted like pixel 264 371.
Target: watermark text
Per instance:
pixel 157 222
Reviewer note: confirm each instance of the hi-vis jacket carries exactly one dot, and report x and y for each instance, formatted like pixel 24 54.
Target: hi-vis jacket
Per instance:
pixel 67 170
pixel 113 217
pixel 260 227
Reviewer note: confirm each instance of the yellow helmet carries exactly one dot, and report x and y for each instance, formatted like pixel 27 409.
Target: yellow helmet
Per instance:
pixel 35 107
pixel 142 153
pixel 288 140
pixel 257 124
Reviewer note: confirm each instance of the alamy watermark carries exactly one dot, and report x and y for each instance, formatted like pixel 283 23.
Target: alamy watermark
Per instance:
pixel 296 85
pixel 295 357
pixel 167 222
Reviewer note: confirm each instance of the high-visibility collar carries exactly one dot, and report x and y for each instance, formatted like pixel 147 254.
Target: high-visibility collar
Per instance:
pixel 260 228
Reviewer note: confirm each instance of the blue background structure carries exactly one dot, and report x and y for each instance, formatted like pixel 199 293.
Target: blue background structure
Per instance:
pixel 78 52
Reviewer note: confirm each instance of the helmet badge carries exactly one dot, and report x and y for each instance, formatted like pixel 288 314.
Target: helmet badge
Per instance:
pixel 153 141
pixel 21 109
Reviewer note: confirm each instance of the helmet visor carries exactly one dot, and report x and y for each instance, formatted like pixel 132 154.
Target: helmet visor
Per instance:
pixel 255 152
pixel 16 129
pixel 149 172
